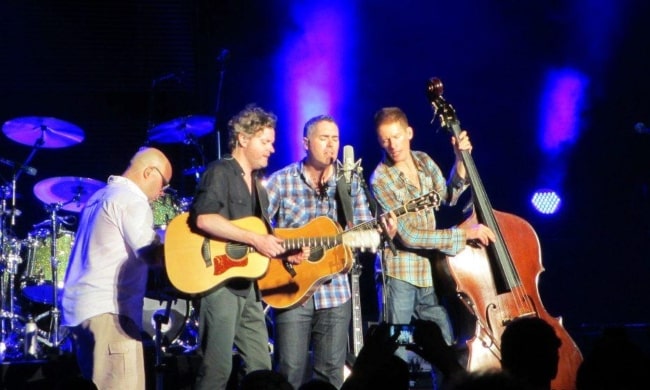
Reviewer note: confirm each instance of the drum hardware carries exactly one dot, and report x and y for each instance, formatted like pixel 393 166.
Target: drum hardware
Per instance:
pixel 10 247
pixel 10 261
pixel 185 129
pixel 194 170
pixel 173 311
pixel 180 333
pixel 159 320
pixel 69 191
pixel 43 132
pixel 61 193
pixel 37 132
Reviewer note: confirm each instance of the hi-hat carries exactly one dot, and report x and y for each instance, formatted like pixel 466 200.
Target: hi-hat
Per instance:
pixel 70 191
pixel 43 132
pixel 182 129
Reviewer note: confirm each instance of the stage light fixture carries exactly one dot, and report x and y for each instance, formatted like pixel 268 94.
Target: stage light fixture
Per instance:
pixel 546 201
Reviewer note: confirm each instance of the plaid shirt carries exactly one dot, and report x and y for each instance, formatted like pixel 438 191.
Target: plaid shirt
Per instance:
pixel 293 203
pixel 416 232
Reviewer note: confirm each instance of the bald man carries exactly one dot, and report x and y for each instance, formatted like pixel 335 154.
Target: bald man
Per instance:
pixel 107 274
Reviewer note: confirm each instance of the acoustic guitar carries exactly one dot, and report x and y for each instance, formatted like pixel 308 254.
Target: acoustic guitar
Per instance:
pixel 285 286
pixel 195 263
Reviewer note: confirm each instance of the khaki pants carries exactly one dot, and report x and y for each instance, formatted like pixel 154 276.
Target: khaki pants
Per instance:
pixel 109 352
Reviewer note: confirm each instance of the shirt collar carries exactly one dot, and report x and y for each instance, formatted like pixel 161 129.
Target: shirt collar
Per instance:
pixel 121 180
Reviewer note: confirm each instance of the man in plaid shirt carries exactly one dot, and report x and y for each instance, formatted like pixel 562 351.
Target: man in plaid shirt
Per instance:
pixel 402 175
pixel 298 193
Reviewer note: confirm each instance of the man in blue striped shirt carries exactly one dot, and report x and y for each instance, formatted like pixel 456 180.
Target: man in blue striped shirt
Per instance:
pixel 299 193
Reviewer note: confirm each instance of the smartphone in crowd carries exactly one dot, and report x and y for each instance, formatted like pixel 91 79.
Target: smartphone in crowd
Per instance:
pixel 404 332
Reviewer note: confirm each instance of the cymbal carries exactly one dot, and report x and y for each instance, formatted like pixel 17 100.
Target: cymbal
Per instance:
pixel 73 192
pixel 52 132
pixel 182 129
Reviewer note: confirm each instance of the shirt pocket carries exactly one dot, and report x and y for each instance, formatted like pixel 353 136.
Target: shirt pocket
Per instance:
pixel 294 212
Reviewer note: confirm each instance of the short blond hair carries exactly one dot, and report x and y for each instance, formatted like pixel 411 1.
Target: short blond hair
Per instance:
pixel 391 115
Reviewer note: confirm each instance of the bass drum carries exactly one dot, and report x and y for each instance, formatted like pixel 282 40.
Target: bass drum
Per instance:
pixel 37 281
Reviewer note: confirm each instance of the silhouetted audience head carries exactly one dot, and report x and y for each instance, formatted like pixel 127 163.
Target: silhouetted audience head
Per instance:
pixel 615 362
pixel 317 384
pixel 74 382
pixel 431 345
pixel 484 380
pixel 265 380
pixel 530 351
pixel 377 366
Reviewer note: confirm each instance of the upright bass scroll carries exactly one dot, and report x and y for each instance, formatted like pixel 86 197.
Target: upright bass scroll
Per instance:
pixel 498 284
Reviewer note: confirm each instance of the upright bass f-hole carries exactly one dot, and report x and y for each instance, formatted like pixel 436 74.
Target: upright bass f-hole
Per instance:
pixel 498 283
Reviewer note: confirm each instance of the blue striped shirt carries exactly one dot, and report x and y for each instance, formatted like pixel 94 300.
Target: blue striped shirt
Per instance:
pixel 293 203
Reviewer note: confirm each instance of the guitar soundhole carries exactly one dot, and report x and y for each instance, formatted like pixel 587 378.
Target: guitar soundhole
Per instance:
pixel 236 251
pixel 316 253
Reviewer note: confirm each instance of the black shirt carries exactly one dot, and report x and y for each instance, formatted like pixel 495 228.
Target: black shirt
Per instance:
pixel 223 190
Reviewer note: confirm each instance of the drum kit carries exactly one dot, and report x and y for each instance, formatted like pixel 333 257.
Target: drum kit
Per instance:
pixel 32 269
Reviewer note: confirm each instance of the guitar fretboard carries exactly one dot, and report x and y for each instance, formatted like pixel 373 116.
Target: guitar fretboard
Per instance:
pixel 326 241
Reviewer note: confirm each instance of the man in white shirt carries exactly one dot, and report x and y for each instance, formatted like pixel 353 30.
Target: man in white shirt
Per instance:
pixel 106 277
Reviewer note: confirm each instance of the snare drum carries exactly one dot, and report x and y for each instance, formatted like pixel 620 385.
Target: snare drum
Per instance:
pixel 38 280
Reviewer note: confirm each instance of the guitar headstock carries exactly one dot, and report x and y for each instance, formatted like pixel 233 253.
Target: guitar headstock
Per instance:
pixel 423 202
pixel 362 239
pixel 441 107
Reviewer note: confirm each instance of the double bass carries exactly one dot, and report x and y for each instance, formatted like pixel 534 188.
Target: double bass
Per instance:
pixel 498 283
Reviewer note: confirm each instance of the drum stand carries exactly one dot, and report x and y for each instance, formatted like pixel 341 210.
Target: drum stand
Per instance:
pixel 9 326
pixel 160 320
pixel 55 315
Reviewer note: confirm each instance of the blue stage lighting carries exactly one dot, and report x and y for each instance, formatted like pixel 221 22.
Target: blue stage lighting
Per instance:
pixel 546 201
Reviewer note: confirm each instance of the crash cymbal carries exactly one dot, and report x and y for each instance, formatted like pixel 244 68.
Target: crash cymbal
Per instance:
pixel 182 129
pixel 43 132
pixel 73 192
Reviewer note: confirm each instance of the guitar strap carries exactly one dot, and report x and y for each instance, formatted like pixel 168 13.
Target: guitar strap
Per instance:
pixel 344 200
pixel 262 201
pixel 343 191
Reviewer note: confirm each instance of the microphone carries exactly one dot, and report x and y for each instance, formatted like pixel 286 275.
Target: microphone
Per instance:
pixel 28 170
pixel 641 128
pixel 348 162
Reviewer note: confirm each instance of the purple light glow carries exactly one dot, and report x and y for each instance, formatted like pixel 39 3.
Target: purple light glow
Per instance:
pixel 561 107
pixel 311 69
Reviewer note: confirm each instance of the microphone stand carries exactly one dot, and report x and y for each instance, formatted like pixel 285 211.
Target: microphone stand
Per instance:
pixel 160 320
pixel 221 59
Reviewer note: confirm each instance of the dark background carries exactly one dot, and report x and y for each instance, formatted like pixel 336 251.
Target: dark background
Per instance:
pixel 93 65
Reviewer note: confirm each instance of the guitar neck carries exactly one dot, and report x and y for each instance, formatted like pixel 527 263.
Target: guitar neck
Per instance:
pixel 431 199
pixel 324 241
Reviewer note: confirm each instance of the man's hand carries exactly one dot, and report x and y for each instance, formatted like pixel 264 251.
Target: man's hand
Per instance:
pixel 480 233
pixel 299 257
pixel 268 245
